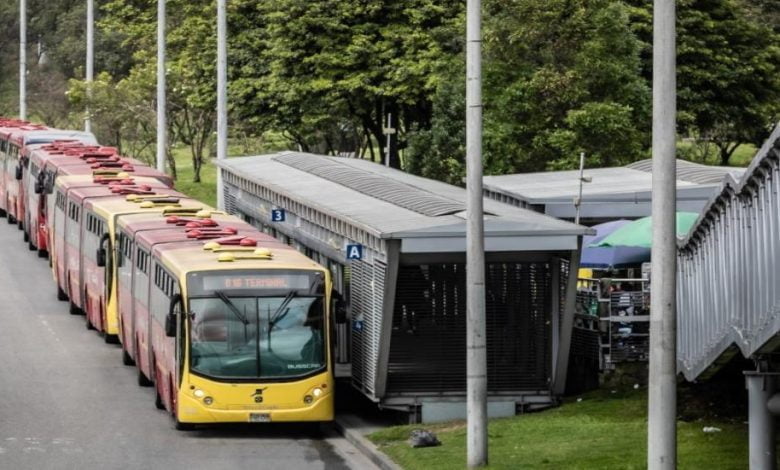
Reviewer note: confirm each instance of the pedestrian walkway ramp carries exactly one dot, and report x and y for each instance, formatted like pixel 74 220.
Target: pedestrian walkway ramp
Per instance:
pixel 728 273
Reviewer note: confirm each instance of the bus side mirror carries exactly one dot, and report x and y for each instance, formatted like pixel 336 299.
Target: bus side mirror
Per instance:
pixel 170 319
pixel 19 172
pixel 340 306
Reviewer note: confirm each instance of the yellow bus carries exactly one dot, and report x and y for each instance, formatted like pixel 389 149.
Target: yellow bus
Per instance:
pixel 239 332
pixel 98 238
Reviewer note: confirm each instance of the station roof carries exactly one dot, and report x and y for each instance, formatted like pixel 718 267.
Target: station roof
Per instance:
pixel 392 204
pixel 613 192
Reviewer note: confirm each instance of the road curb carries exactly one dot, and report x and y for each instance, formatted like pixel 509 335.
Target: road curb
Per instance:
pixel 365 446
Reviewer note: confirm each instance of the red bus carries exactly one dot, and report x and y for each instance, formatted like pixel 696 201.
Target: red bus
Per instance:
pixel 46 162
pixel 19 141
pixel 67 228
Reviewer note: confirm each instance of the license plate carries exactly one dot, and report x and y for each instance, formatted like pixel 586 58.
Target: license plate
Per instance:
pixel 259 417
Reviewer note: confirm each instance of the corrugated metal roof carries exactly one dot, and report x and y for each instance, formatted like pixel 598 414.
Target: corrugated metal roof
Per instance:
pixel 370 184
pixel 390 214
pixel 538 188
pixel 692 172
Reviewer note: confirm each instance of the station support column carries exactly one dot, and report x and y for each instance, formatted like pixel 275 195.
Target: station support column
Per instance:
pixel 761 387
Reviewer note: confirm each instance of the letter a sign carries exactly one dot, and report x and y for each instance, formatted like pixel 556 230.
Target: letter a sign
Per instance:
pixel 354 251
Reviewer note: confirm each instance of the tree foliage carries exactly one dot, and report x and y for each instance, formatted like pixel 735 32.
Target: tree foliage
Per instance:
pixel 728 75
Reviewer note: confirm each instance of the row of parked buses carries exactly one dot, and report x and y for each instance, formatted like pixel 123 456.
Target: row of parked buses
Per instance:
pixel 227 323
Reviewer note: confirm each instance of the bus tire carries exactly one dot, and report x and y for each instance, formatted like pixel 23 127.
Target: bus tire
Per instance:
pixel 11 219
pixel 43 254
pixel 126 358
pixel 89 323
pixel 158 400
pixel 2 213
pixel 111 339
pixel 19 225
pixel 74 310
pixel 30 245
pixel 179 426
pixel 61 295
pixel 142 380
pixel 26 237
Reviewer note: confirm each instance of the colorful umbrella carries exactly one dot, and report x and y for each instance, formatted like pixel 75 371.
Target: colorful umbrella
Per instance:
pixel 610 257
pixel 640 232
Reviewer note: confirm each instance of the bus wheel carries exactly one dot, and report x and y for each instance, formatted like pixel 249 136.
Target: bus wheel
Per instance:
pixel 43 254
pixel 89 323
pixel 111 339
pixel 2 212
pixel 61 295
pixel 30 245
pixel 19 225
pixel 126 359
pixel 158 401
pixel 74 310
pixel 179 426
pixel 26 237
pixel 142 380
pixel 11 219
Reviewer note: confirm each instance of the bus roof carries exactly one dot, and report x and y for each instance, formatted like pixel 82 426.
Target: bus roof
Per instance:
pixel 110 207
pixel 80 193
pixel 88 180
pixel 172 233
pixel 144 221
pixel 41 135
pixel 192 257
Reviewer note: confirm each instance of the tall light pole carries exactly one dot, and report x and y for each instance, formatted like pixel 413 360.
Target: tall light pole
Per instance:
pixel 162 122
pixel 222 118
pixel 22 59
pixel 476 337
pixel 662 389
pixel 90 59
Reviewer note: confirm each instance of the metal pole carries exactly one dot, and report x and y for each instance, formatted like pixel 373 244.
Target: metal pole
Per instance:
pixel 476 351
pixel 662 391
pixel 23 59
pixel 222 118
pixel 90 59
pixel 162 122
pixel 582 181
pixel 761 422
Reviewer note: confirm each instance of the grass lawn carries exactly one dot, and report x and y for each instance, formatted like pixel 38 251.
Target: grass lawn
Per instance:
pixel 603 431
pixel 206 190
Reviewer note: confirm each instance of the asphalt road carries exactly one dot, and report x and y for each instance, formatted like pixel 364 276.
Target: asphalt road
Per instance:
pixel 66 400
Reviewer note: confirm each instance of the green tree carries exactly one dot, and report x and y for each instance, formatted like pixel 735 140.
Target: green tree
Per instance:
pixel 560 77
pixel 728 81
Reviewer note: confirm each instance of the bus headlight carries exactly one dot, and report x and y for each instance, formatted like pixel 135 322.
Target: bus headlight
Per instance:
pixel 208 401
pixel 308 399
pixel 199 393
pixel 317 392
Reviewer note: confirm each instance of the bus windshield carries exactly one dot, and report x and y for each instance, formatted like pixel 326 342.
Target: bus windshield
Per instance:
pixel 245 336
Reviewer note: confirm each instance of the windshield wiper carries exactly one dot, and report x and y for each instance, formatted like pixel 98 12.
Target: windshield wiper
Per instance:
pixel 281 310
pixel 231 306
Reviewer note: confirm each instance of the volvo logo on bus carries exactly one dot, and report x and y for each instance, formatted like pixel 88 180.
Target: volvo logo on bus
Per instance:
pixel 258 395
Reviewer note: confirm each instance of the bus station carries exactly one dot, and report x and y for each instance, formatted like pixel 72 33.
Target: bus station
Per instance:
pixel 395 244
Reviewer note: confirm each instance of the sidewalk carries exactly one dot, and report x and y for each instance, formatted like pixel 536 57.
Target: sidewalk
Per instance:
pixel 355 430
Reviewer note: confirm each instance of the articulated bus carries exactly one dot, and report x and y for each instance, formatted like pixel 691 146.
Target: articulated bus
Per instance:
pixel 10 153
pixel 67 225
pixel 47 162
pixel 100 286
pixel 6 127
pixel 238 333
pixel 19 142
pixel 171 226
